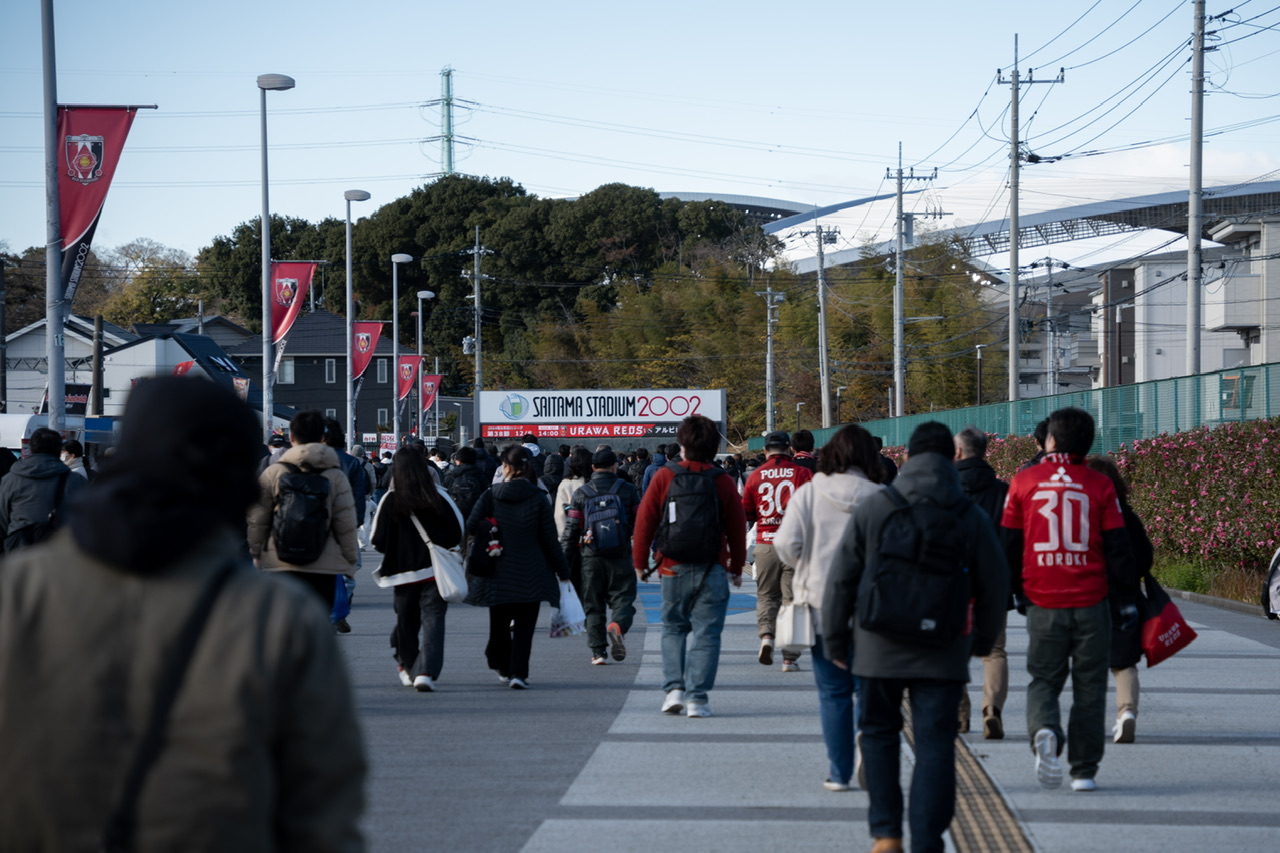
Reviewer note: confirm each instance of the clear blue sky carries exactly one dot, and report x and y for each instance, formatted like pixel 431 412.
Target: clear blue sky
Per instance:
pixel 804 103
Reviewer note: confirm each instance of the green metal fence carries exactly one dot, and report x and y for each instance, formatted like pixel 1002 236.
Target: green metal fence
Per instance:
pixel 1122 414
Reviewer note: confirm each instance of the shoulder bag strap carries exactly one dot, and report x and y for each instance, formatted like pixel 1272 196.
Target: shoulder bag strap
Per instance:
pixel 118 835
pixel 57 495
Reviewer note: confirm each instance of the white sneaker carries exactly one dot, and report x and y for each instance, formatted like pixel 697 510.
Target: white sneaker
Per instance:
pixel 405 678
pixel 832 785
pixel 423 684
pixel 674 703
pixel 1048 767
pixel 519 684
pixel 697 709
pixel 1125 728
pixel 599 660
pixel 1084 785
pixel 790 666
pixel 766 651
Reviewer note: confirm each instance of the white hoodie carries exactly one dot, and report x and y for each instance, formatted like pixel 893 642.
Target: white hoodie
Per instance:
pixel 812 529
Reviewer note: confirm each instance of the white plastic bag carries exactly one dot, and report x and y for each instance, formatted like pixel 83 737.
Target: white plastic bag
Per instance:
pixel 570 618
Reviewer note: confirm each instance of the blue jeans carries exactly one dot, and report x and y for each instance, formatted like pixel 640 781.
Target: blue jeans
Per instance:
pixel 935 706
pixel 840 717
pixel 695 601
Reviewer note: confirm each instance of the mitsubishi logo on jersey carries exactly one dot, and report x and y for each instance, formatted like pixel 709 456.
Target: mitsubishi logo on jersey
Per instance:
pixel 1061 477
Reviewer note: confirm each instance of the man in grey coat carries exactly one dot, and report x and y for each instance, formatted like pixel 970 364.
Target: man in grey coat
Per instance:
pixel 29 492
pixel 933 676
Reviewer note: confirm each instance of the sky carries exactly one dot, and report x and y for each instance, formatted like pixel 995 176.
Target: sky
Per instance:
pixel 808 104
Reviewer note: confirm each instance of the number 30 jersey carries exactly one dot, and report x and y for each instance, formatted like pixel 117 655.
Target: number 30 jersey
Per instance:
pixel 1062 508
pixel 767 493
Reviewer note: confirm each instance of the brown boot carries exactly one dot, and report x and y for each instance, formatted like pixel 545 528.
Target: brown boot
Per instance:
pixel 887 845
pixel 992 726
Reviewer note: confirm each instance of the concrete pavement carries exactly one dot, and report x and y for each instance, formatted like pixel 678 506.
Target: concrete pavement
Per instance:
pixel 585 761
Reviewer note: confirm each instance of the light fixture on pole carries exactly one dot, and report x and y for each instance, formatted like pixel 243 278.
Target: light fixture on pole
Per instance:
pixel 396 260
pixel 798 405
pixel 267 83
pixel 978 348
pixel 839 390
pixel 423 295
pixel 350 196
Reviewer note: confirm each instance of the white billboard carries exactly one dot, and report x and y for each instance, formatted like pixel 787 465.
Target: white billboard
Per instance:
pixel 641 413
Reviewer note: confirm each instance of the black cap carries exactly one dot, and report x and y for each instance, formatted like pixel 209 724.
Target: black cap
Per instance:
pixel 777 438
pixel 278 441
pixel 604 458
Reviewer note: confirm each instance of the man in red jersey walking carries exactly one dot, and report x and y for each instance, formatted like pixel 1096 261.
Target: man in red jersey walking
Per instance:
pixel 1069 555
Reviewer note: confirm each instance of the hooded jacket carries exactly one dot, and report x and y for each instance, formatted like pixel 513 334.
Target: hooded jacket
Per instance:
pixel 812 530
pixel 531 557
pixel 925 476
pixel 28 490
pixel 983 487
pixel 339 556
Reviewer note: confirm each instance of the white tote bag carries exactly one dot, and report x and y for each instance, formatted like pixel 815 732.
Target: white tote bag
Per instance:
pixel 446 563
pixel 794 628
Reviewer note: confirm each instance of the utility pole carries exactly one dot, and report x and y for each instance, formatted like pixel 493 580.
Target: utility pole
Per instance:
pixel 772 299
pixel 446 137
pixel 1015 163
pixel 476 252
pixel 904 234
pixel 1195 216
pixel 824 355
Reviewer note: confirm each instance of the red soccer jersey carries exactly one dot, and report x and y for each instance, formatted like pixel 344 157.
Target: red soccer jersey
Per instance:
pixel 1062 508
pixel 767 493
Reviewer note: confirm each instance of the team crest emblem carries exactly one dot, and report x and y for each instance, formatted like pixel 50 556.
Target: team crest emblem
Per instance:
pixel 286 290
pixel 406 372
pixel 84 158
pixel 364 341
pixel 429 388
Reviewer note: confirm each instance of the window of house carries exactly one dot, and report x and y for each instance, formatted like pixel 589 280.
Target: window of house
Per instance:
pixel 382 370
pixel 383 418
pixel 285 375
pixel 331 370
pixel 331 413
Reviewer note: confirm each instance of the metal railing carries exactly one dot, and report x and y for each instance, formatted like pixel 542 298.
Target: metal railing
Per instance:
pixel 1122 414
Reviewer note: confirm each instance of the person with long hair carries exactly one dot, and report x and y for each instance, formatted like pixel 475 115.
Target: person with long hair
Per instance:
pixel 526 571
pixel 849 469
pixel 577 473
pixel 418 636
pixel 1126 637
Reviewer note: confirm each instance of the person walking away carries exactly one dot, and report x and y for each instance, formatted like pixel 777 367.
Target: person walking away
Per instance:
pixel 466 482
pixel 764 500
pixel 370 486
pixel 597 534
pixel 659 461
pixel 924 536
pixel 321 536
pixel 1126 645
pixel 635 470
pixel 1068 551
pixel 692 515
pixel 525 573
pixel 382 476
pixel 808 538
pixel 577 473
pixel 802 444
pixel 406 566
pixel 37 495
pixel 353 467
pixel 984 488
pixel 73 457
pixel 261 749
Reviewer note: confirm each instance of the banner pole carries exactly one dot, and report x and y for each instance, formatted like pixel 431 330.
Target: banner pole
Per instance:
pixel 53 240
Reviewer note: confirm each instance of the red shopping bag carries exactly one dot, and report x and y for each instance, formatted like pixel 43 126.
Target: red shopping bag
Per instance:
pixel 1166 632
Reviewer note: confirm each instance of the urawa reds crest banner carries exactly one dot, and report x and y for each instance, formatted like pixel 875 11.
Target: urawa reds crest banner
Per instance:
pixel 365 341
pixel 430 386
pixel 408 374
pixel 290 281
pixel 92 139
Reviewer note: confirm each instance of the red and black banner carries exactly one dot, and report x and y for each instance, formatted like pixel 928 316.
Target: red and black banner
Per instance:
pixel 290 281
pixel 92 139
pixel 407 375
pixel 430 385
pixel 365 334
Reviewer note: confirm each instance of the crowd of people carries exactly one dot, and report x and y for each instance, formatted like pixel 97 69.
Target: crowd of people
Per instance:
pixel 890 580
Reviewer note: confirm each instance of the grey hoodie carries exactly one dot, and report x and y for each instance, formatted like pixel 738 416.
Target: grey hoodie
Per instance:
pixel 28 490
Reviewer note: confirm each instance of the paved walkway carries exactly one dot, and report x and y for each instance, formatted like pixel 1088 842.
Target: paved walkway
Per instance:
pixel 584 761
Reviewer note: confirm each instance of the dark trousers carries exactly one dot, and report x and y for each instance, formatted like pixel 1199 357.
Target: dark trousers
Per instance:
pixel 511 628
pixel 323 585
pixel 419 610
pixel 935 706
pixel 607 582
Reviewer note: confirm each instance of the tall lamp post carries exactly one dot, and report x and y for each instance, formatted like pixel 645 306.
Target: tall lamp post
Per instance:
pixel 267 83
pixel 798 405
pixel 350 196
pixel 396 260
pixel 840 390
pixel 978 349
pixel 423 295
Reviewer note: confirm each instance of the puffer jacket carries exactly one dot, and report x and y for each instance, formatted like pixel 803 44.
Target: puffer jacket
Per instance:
pixel 340 552
pixel 28 490
pixel 810 533
pixel 531 557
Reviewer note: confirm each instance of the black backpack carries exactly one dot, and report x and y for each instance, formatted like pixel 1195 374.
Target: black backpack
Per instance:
pixel 917 588
pixel 604 521
pixel 690 530
pixel 466 488
pixel 37 532
pixel 300 524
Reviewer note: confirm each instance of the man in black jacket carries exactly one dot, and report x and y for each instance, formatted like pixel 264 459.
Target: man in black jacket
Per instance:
pixel 933 676
pixel 984 488
pixel 35 486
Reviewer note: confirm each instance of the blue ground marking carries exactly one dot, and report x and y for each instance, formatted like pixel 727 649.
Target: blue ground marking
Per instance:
pixel 649 597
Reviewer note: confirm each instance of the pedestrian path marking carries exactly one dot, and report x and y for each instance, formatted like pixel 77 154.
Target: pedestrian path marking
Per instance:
pixel 649 596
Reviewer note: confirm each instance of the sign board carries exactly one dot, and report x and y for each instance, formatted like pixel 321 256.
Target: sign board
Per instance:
pixel 631 414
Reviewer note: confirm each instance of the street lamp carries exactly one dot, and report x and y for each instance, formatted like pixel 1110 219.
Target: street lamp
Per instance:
pixel 350 196
pixel 396 260
pixel 798 405
pixel 423 295
pixel 840 390
pixel 267 83
pixel 978 348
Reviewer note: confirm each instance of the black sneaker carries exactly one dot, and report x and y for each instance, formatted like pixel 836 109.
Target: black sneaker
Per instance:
pixel 618 648
pixel 342 627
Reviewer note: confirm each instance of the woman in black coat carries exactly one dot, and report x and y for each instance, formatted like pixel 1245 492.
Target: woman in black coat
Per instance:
pixel 525 574
pixel 406 565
